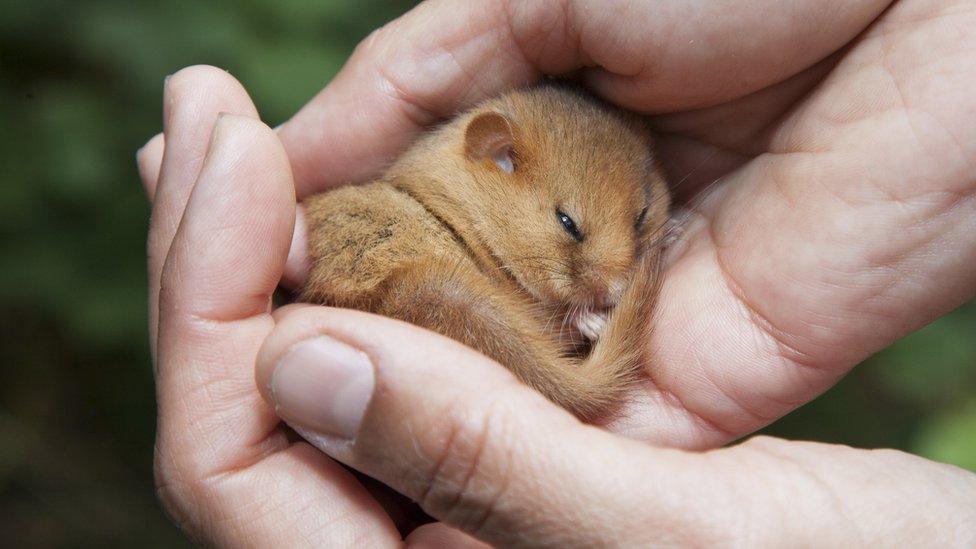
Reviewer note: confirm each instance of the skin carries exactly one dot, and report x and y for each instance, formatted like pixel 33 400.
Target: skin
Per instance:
pixel 842 220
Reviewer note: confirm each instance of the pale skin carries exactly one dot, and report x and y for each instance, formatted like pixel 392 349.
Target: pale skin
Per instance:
pixel 843 218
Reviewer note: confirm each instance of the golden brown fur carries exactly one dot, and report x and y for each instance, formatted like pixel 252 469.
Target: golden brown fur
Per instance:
pixel 454 239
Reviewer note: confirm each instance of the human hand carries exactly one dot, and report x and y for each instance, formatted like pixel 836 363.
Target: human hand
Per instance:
pixel 721 370
pixel 226 469
pixel 839 134
pixel 477 450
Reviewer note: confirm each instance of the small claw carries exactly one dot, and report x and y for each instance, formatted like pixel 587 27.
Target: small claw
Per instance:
pixel 591 324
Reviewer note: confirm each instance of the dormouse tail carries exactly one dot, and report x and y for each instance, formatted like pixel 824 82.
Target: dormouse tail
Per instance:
pixel 460 303
pixel 597 384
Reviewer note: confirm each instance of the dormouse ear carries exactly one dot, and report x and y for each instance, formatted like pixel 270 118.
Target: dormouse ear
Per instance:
pixel 489 136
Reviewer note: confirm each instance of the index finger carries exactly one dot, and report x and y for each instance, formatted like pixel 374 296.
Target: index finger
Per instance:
pixel 649 56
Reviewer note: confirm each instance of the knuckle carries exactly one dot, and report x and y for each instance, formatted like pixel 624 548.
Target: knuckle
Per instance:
pixel 418 102
pixel 470 469
pixel 172 493
pixel 185 497
pixel 376 39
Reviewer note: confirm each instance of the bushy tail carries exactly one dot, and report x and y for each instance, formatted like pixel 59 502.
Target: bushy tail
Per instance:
pixel 596 384
pixel 459 302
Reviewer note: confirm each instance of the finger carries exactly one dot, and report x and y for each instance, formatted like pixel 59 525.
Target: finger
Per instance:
pixel 296 268
pixel 218 443
pixel 650 56
pixel 192 99
pixel 203 276
pixel 812 494
pixel 149 160
pixel 440 536
pixel 403 77
pixel 452 430
pixel 224 264
pixel 698 148
pixel 853 231
pixel 741 47
pixel 481 452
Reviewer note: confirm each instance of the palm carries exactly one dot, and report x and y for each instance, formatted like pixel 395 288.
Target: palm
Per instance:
pixel 816 247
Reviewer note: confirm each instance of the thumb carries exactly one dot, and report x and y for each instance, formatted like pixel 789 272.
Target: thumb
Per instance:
pixel 456 432
pixel 481 452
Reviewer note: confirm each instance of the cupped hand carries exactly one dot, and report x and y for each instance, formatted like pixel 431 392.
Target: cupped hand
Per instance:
pixel 226 469
pixel 841 219
pixel 837 134
pixel 479 451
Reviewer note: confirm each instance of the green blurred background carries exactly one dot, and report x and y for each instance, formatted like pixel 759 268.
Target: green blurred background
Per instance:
pixel 80 91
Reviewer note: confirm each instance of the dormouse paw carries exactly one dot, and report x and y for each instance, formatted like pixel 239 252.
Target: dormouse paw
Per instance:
pixel 591 324
pixel 674 229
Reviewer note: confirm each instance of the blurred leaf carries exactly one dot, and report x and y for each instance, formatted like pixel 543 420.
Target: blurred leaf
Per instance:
pixel 950 437
pixel 936 363
pixel 304 67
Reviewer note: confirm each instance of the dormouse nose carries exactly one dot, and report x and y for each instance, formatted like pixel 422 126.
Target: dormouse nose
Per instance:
pixel 601 291
pixel 603 298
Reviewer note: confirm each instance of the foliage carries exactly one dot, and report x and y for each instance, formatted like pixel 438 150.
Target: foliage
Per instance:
pixel 81 86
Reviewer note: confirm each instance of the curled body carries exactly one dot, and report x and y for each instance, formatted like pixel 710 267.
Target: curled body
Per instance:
pixel 528 228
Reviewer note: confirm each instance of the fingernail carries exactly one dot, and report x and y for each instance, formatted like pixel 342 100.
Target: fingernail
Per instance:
pixel 323 385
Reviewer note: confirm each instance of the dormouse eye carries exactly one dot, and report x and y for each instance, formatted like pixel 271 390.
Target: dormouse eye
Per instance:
pixel 570 225
pixel 641 218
